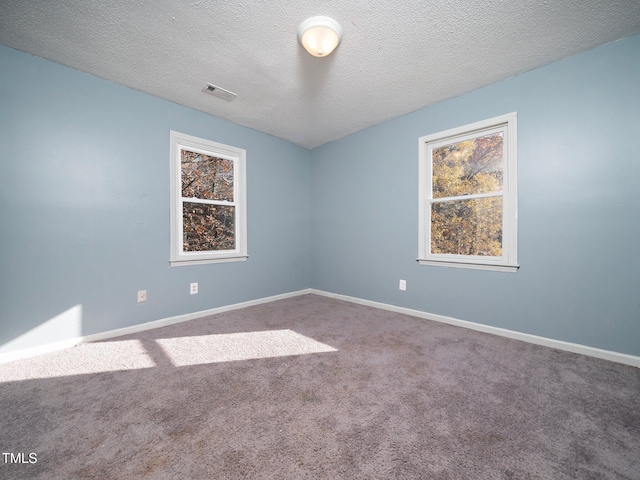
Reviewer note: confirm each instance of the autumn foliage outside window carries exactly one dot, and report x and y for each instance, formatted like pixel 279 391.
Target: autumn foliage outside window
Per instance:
pixel 211 225
pixel 208 210
pixel 461 226
pixel 468 195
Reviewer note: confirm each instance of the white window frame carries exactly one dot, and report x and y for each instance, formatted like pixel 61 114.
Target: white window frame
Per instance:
pixel 508 262
pixel 178 257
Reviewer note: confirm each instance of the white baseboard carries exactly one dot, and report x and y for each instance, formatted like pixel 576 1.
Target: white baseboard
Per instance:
pixel 71 342
pixel 39 350
pixel 189 316
pixel 503 332
pixel 525 337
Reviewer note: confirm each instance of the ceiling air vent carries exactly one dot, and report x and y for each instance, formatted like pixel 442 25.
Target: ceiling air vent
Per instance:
pixel 219 92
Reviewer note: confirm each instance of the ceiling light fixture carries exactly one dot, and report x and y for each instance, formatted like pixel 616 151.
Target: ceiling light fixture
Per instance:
pixel 319 35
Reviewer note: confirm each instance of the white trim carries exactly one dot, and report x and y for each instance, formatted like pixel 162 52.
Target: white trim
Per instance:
pixel 471 129
pixel 178 257
pixel 617 357
pixel 508 262
pixel 208 202
pixel 39 350
pixel 467 197
pixel 184 263
pixel 472 266
pixel 72 342
pixel 189 316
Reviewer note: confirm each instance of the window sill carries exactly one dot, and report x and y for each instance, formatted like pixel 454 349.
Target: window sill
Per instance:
pixel 202 261
pixel 472 266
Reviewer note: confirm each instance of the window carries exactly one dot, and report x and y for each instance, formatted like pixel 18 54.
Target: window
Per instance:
pixel 468 196
pixel 208 211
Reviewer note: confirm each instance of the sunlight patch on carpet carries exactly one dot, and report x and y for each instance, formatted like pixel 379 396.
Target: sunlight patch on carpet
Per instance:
pixel 230 347
pixel 123 355
pixel 84 359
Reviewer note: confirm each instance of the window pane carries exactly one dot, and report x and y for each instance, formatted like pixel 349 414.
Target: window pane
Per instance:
pixel 208 227
pixel 467 227
pixel 206 177
pixel 468 167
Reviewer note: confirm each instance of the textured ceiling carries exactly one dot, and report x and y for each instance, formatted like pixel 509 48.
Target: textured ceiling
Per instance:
pixel 395 56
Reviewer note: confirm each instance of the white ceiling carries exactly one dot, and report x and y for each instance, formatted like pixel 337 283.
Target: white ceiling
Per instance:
pixel 395 56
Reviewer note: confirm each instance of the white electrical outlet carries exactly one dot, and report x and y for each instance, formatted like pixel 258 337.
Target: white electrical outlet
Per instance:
pixel 403 285
pixel 142 296
pixel 194 288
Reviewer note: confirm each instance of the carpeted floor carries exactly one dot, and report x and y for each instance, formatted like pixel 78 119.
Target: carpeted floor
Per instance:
pixel 311 387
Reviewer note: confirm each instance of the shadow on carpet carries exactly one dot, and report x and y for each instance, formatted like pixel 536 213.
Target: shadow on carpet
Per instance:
pixel 312 387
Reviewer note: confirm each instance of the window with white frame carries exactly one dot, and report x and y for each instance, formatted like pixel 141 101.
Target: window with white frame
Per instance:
pixel 208 201
pixel 468 196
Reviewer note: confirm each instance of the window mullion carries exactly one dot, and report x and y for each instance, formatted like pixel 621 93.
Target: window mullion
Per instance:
pixel 208 201
pixel 466 197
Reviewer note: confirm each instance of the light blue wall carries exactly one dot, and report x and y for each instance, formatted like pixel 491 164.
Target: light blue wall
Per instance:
pixel 579 209
pixel 84 206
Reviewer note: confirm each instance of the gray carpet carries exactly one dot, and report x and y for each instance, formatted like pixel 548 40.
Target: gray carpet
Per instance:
pixel 312 387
